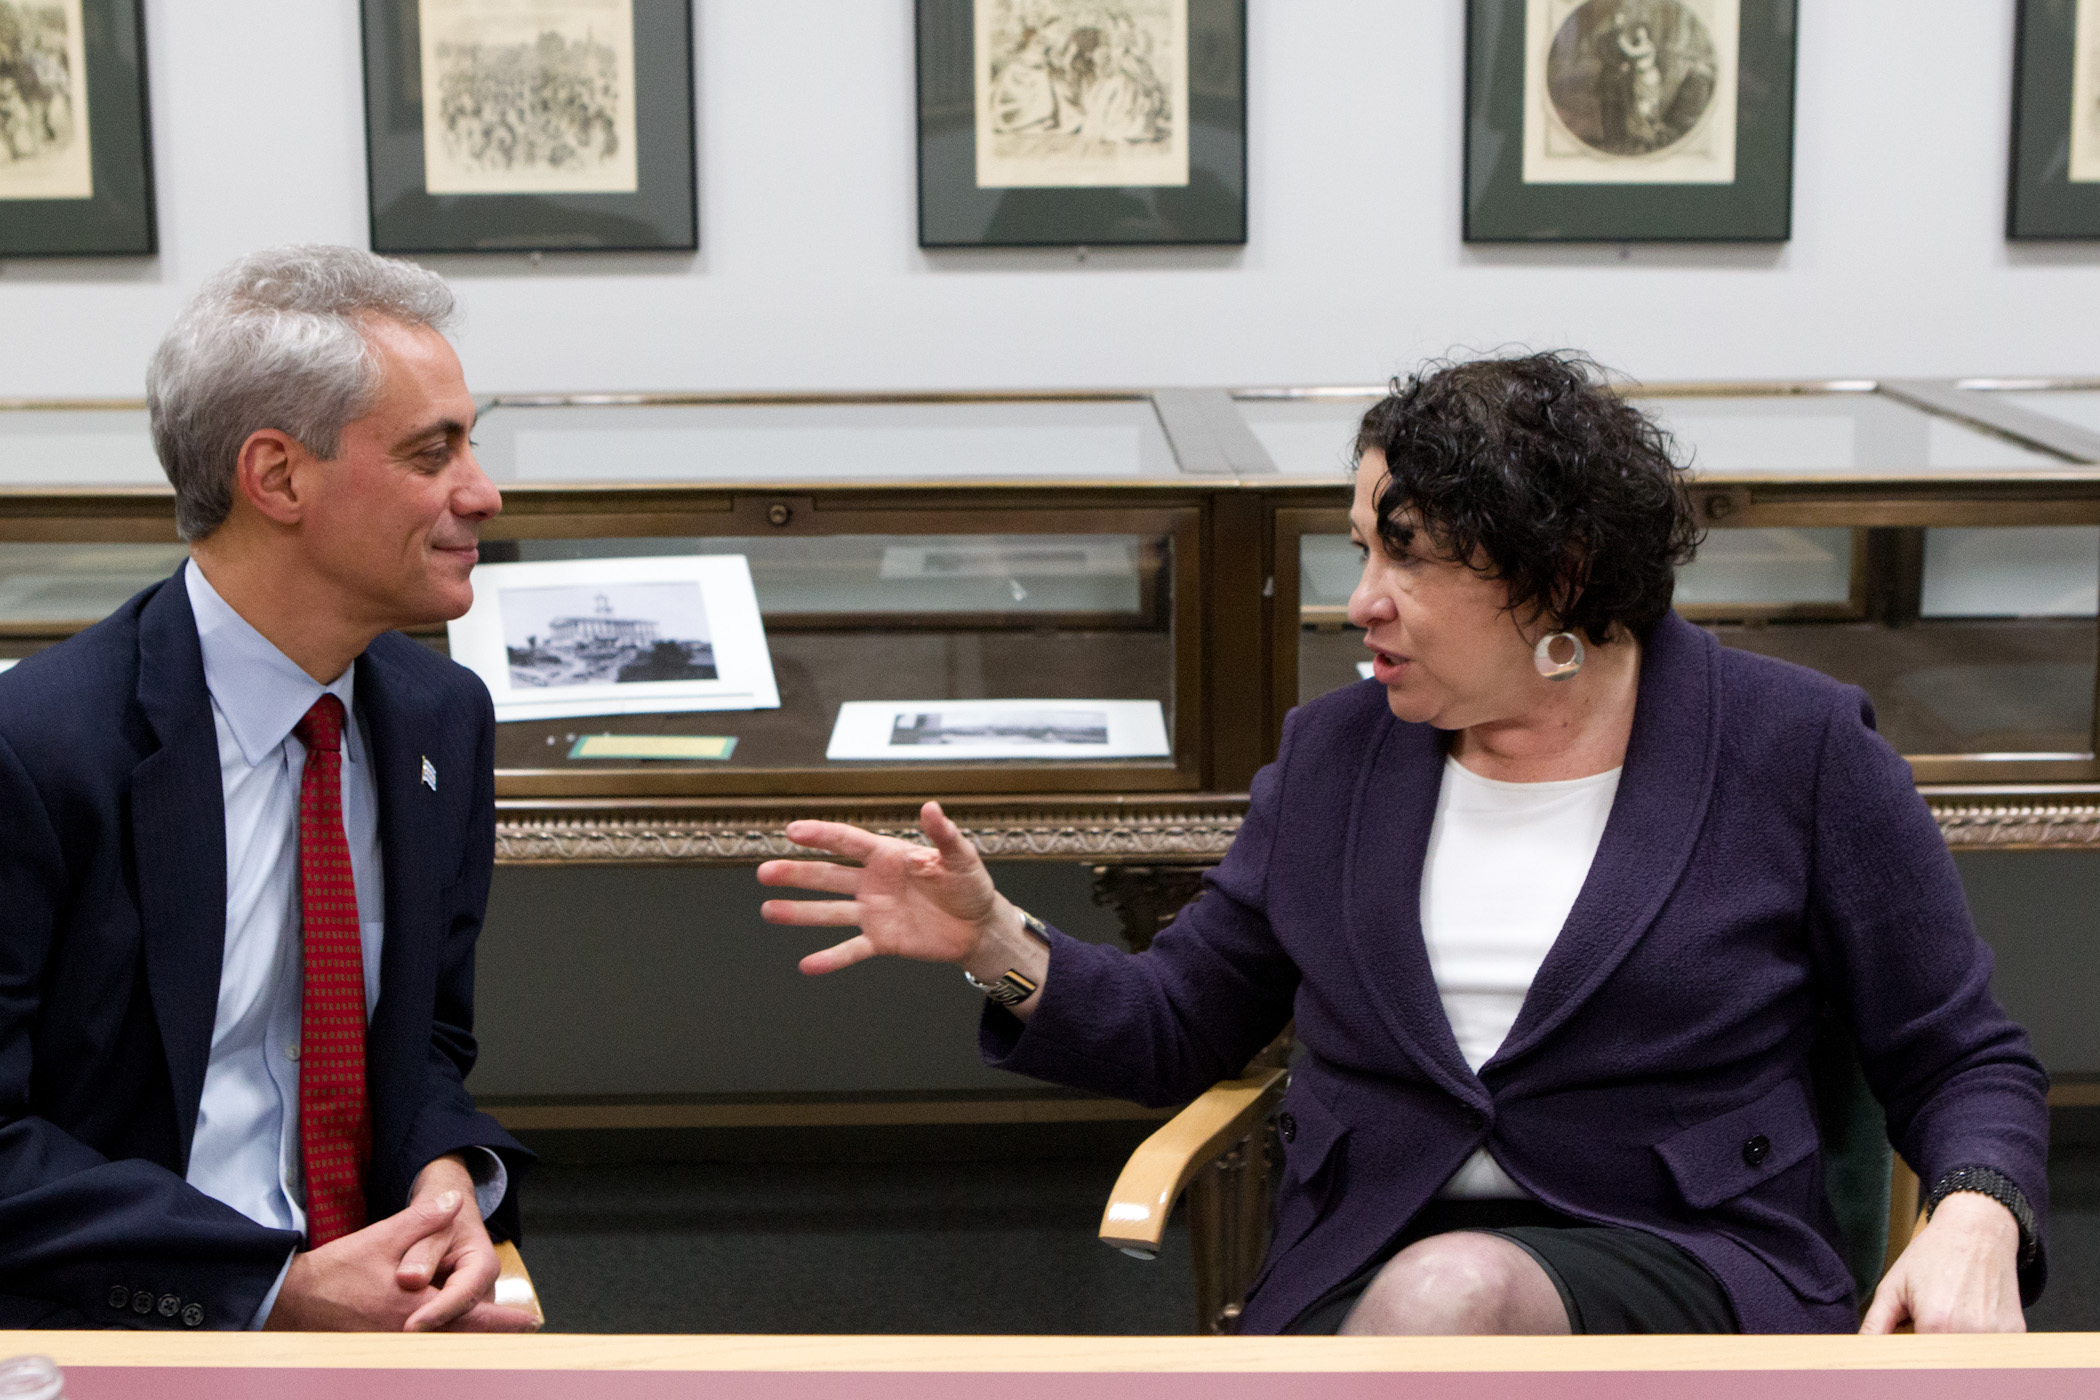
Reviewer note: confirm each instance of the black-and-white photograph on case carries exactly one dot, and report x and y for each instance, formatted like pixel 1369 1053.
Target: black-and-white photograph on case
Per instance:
pixel 659 635
pixel 612 633
pixel 960 730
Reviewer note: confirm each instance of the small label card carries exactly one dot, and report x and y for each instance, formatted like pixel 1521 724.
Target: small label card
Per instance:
pixel 676 747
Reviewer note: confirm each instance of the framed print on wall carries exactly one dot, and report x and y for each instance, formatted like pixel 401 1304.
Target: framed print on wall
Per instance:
pixel 1064 122
pixel 1629 120
pixel 2054 185
pixel 76 161
pixel 530 125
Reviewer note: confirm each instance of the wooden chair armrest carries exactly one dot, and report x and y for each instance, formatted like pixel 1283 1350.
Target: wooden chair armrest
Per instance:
pixel 514 1285
pixel 1153 1178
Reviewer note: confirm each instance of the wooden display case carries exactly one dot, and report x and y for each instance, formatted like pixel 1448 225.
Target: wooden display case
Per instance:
pixel 1937 543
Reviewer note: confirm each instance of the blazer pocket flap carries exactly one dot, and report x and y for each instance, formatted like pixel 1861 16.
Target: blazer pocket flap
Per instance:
pixel 1725 1156
pixel 1308 1129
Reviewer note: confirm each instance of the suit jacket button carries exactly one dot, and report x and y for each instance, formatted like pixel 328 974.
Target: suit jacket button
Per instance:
pixel 1289 1127
pixel 119 1296
pixel 170 1305
pixel 1757 1149
pixel 142 1302
pixel 193 1316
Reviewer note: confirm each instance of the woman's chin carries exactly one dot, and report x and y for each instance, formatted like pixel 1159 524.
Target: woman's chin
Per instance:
pixel 1408 706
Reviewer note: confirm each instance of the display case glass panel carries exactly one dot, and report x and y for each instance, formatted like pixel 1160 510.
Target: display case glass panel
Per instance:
pixel 577 440
pixel 51 589
pixel 1843 428
pixel 2080 407
pixel 77 445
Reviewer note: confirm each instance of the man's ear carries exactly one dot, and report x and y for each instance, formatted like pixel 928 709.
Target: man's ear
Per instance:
pixel 265 476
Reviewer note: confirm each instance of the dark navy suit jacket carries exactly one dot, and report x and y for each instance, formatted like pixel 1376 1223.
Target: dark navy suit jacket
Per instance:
pixel 112 927
pixel 1767 855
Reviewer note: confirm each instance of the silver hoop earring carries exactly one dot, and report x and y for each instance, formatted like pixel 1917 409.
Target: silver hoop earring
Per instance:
pixel 1542 656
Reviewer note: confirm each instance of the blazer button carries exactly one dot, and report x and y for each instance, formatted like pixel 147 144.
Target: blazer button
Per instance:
pixel 1757 1149
pixel 1289 1127
pixel 119 1296
pixel 170 1305
pixel 193 1316
pixel 142 1302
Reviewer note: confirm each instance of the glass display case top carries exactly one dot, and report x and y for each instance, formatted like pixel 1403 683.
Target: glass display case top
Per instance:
pixel 1000 441
pixel 2076 402
pixel 1843 429
pixel 77 444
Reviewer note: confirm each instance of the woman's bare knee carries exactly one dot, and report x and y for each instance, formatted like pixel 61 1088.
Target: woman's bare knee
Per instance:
pixel 1463 1283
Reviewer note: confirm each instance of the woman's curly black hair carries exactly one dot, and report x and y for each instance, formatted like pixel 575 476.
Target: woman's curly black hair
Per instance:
pixel 1533 470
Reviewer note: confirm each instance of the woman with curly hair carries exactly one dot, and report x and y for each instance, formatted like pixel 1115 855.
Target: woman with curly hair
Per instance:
pixel 1560 901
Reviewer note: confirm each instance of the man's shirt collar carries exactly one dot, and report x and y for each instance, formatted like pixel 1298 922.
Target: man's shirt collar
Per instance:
pixel 261 691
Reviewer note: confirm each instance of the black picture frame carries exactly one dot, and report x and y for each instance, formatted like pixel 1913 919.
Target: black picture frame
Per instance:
pixel 117 219
pixel 955 213
pixel 661 214
pixel 2041 198
pixel 1756 207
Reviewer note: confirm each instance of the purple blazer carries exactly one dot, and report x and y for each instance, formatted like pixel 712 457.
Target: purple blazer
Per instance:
pixel 1767 853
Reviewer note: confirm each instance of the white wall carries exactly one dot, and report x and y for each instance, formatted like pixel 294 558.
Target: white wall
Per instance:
pixel 810 276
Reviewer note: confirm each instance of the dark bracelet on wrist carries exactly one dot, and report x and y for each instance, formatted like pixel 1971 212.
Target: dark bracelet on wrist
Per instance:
pixel 1987 1181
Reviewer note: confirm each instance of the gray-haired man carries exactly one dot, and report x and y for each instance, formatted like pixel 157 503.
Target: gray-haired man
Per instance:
pixel 250 832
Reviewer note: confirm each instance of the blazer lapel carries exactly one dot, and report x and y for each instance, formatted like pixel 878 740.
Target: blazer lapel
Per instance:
pixel 1663 795
pixel 397 721
pixel 178 832
pixel 1389 823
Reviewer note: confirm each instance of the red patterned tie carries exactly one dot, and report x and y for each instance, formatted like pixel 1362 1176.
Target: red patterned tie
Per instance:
pixel 335 1125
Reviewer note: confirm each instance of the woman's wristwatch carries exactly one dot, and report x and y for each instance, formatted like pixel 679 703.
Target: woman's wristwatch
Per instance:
pixel 1999 1187
pixel 1013 987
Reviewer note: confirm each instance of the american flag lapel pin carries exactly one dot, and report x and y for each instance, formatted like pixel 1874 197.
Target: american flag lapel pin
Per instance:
pixel 430 774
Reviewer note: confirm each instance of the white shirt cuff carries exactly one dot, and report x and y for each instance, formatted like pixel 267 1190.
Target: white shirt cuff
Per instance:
pixel 262 1314
pixel 491 1179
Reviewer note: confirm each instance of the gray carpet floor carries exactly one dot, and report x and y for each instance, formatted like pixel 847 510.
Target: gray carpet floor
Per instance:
pixel 991 1245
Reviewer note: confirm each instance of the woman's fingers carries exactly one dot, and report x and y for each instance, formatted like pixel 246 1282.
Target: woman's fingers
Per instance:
pixel 811 913
pixel 947 837
pixel 835 837
pixel 1889 1309
pixel 819 875
pixel 853 950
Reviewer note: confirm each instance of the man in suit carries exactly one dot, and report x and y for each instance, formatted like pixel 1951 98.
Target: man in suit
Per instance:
pixel 250 830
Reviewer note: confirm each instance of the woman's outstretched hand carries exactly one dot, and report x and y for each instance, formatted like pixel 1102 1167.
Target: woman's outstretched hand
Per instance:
pixel 935 905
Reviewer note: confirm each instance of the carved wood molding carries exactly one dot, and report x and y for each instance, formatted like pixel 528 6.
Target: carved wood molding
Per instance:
pixel 2008 827
pixel 1196 835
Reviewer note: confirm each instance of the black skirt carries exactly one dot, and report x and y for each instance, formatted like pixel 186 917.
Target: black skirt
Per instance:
pixel 1610 1279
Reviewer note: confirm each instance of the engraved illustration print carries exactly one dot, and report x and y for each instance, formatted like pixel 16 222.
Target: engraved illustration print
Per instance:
pixel 1082 93
pixel 1631 91
pixel 528 96
pixel 43 101
pixel 2085 94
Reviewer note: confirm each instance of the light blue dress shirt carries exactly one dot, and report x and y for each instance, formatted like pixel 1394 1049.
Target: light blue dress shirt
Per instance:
pixel 246 1151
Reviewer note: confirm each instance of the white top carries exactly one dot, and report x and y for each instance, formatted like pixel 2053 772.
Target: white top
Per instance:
pixel 1505 863
pixel 246 1151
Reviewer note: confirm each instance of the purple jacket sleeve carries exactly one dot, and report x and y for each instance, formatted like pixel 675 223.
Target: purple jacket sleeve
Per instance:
pixel 1163 1026
pixel 1958 1078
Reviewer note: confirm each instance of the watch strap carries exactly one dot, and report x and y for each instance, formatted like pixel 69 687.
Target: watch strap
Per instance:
pixel 1988 1181
pixel 1009 989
